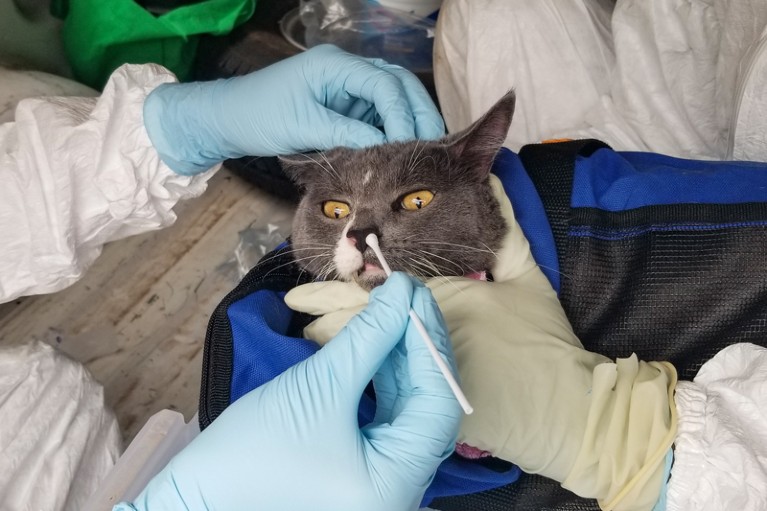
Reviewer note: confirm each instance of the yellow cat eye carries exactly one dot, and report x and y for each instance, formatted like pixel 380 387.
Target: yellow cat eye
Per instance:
pixel 417 200
pixel 335 209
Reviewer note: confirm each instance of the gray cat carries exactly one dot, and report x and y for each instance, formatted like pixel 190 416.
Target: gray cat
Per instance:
pixel 429 203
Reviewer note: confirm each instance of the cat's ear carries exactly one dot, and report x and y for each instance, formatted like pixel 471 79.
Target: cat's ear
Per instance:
pixel 477 145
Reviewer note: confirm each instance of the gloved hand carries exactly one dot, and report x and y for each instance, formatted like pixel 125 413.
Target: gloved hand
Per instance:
pixel 316 100
pixel 293 444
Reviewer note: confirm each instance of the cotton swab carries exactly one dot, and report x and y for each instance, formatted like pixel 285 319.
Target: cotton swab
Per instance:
pixel 372 241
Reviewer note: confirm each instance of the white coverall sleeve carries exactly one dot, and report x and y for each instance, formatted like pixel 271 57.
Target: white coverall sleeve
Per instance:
pixel 76 173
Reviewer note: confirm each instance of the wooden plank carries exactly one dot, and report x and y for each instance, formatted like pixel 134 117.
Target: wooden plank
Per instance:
pixel 137 319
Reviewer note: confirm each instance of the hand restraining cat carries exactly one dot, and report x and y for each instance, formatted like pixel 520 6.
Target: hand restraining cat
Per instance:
pixel 429 202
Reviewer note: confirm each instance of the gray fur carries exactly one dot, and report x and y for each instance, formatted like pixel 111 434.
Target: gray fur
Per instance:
pixel 459 232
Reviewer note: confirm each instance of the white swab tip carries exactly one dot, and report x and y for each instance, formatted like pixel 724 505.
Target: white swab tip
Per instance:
pixel 372 240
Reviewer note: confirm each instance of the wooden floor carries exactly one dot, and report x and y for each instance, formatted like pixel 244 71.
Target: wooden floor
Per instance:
pixel 137 319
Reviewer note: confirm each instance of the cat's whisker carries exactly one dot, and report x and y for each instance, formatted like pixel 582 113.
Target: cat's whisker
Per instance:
pixel 436 274
pixel 294 260
pixel 437 256
pixel 326 270
pixel 410 160
pixel 330 171
pixel 460 247
pixel 415 161
pixel 565 275
pixel 292 250
pixel 428 267
pixel 490 250
pixel 330 165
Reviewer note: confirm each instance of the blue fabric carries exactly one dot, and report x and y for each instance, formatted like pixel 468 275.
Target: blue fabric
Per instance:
pixel 615 181
pixel 529 212
pixel 261 351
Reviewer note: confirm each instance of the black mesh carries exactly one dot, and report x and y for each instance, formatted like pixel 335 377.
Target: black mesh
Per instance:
pixel 529 493
pixel 671 292
pixel 551 168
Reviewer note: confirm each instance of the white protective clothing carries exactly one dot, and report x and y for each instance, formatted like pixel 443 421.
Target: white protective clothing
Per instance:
pixel 678 77
pixel 720 458
pixel 540 400
pixel 79 172
pixel 76 172
pixel 57 439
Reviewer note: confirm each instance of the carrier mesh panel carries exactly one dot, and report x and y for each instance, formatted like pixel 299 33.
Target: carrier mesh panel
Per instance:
pixel 673 282
pixel 529 493
pixel 670 292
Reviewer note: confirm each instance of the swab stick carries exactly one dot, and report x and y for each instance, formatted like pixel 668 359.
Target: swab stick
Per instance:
pixel 372 241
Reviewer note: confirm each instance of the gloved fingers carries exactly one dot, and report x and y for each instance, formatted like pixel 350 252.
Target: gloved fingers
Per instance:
pixel 387 92
pixel 363 111
pixel 388 383
pixel 340 130
pixel 354 108
pixel 431 412
pixel 429 124
pixel 354 355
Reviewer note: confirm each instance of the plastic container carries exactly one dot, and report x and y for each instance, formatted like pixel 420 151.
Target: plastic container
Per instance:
pixel 367 28
pixel 161 438
pixel 418 8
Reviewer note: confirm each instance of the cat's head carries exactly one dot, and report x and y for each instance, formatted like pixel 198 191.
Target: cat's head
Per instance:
pixel 429 203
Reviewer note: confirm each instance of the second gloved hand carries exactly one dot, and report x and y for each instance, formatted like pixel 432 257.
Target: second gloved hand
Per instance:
pixel 294 444
pixel 316 100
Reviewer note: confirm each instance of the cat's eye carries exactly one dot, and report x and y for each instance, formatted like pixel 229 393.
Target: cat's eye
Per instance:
pixel 416 200
pixel 335 209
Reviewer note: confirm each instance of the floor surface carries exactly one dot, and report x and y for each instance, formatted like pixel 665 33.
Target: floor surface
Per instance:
pixel 137 319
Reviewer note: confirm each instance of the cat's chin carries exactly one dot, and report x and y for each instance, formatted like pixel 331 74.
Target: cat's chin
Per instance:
pixel 370 278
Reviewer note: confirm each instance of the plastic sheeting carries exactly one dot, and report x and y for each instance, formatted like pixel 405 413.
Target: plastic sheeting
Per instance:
pixel 678 77
pixel 57 439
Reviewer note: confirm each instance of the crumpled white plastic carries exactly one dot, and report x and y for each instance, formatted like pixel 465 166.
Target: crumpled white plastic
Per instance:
pixel 57 439
pixel 720 455
pixel 77 173
pixel 678 77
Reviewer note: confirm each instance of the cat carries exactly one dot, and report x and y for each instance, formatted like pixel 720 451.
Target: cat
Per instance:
pixel 430 203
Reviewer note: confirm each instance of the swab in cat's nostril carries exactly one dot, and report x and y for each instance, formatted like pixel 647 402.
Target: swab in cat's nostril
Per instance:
pixel 372 241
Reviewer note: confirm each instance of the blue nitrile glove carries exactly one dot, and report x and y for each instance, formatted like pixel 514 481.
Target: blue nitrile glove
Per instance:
pixel 294 444
pixel 316 100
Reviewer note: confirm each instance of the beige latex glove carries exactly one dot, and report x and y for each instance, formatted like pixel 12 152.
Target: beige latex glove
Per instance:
pixel 601 428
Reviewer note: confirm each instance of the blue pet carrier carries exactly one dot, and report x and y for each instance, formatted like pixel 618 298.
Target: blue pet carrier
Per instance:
pixel 655 255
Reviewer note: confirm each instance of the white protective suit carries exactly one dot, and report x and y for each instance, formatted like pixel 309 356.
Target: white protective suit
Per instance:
pixel 685 78
pixel 76 173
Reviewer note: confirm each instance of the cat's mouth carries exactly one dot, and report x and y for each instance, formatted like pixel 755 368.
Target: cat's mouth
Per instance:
pixel 370 268
pixel 370 275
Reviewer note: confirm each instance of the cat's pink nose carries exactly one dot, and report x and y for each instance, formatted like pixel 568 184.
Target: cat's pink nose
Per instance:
pixel 358 237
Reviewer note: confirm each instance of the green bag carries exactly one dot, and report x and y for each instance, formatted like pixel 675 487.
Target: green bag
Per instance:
pixel 101 35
